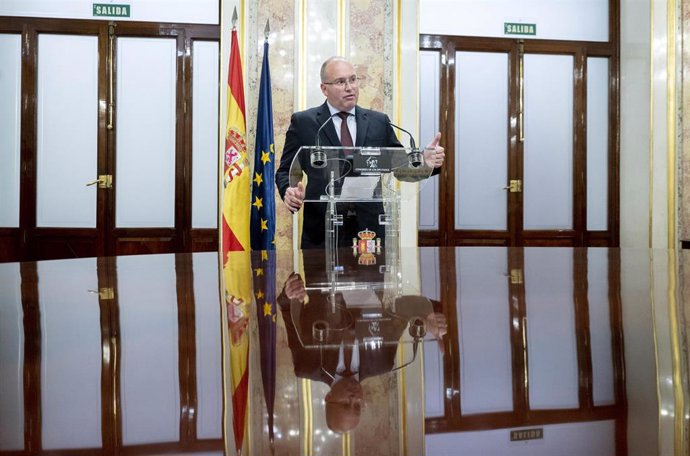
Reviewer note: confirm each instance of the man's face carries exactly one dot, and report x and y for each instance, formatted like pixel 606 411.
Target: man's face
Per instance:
pixel 343 98
pixel 344 405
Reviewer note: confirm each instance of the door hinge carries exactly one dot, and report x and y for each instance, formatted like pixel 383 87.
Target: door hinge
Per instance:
pixel 516 276
pixel 106 293
pixel 515 186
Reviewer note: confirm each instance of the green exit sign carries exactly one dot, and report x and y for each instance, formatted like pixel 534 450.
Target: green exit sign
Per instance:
pixel 514 28
pixel 111 10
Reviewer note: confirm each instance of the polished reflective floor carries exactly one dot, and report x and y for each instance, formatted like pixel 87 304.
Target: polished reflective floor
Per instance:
pixel 435 351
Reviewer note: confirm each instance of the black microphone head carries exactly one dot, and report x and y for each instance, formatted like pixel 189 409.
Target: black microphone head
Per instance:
pixel 415 159
pixel 318 158
pixel 417 328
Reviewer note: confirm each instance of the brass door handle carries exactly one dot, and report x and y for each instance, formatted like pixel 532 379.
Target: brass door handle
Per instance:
pixel 103 181
pixel 514 186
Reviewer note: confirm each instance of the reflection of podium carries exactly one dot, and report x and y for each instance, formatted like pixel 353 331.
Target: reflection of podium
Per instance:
pixel 357 190
pixel 366 300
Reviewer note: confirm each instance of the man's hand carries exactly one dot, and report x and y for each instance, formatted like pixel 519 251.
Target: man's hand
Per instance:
pixel 294 287
pixel 294 196
pixel 436 161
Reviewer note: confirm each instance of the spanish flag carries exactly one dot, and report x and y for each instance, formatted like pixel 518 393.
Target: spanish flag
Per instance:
pixel 237 270
pixel 238 298
pixel 236 183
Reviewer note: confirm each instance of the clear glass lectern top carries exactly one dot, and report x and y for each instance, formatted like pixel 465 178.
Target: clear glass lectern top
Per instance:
pixel 358 173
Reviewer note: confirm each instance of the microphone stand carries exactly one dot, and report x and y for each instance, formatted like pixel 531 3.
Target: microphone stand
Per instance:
pixel 415 156
pixel 417 330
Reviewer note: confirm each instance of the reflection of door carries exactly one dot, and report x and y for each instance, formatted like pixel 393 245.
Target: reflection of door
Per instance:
pixel 530 128
pixel 111 119
pixel 112 356
pixel 534 339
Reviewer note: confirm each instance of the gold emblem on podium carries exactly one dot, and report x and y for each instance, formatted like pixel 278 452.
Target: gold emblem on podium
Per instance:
pixel 366 246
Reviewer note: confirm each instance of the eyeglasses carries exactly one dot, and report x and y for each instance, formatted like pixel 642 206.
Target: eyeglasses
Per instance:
pixel 342 82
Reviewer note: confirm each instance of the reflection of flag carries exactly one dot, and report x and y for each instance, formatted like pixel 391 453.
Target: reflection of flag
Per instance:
pixel 263 219
pixel 235 230
pixel 238 296
pixel 236 198
pixel 265 294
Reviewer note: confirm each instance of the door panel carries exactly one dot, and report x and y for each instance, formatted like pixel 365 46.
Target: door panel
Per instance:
pixel 551 338
pixel 548 145
pixel 145 133
pixel 209 384
pixel 67 142
pixel 71 356
pixel 12 355
pixel 530 131
pixel 205 136
pixel 10 93
pixel 434 392
pixel 481 91
pixel 483 297
pixel 150 403
pixel 597 143
pixel 600 320
pixel 429 107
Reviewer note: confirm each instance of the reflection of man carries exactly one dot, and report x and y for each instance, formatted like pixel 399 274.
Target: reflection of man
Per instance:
pixel 361 127
pixel 340 344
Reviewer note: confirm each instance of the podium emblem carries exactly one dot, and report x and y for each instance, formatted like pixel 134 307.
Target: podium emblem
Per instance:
pixel 366 246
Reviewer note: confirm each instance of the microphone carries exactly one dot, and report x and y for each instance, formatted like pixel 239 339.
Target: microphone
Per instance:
pixel 318 158
pixel 414 156
pixel 417 330
pixel 412 144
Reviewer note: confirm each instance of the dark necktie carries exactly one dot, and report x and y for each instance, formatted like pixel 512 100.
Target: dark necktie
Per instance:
pixel 345 137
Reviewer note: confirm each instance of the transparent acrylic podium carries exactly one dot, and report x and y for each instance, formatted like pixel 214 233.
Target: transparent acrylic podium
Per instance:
pixel 360 283
pixel 368 177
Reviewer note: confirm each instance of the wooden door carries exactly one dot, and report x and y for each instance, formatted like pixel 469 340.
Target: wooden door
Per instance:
pixel 530 129
pixel 111 141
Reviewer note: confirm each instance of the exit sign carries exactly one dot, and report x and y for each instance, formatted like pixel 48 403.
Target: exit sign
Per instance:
pixel 111 10
pixel 514 28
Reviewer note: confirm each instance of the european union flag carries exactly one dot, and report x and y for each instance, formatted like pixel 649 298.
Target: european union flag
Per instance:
pixel 263 220
pixel 264 265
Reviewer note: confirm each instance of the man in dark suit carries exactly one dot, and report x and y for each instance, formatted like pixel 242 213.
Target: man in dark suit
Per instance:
pixel 340 340
pixel 350 125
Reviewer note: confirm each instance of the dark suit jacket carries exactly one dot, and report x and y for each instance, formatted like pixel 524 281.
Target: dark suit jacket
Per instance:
pixel 319 363
pixel 317 359
pixel 373 130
